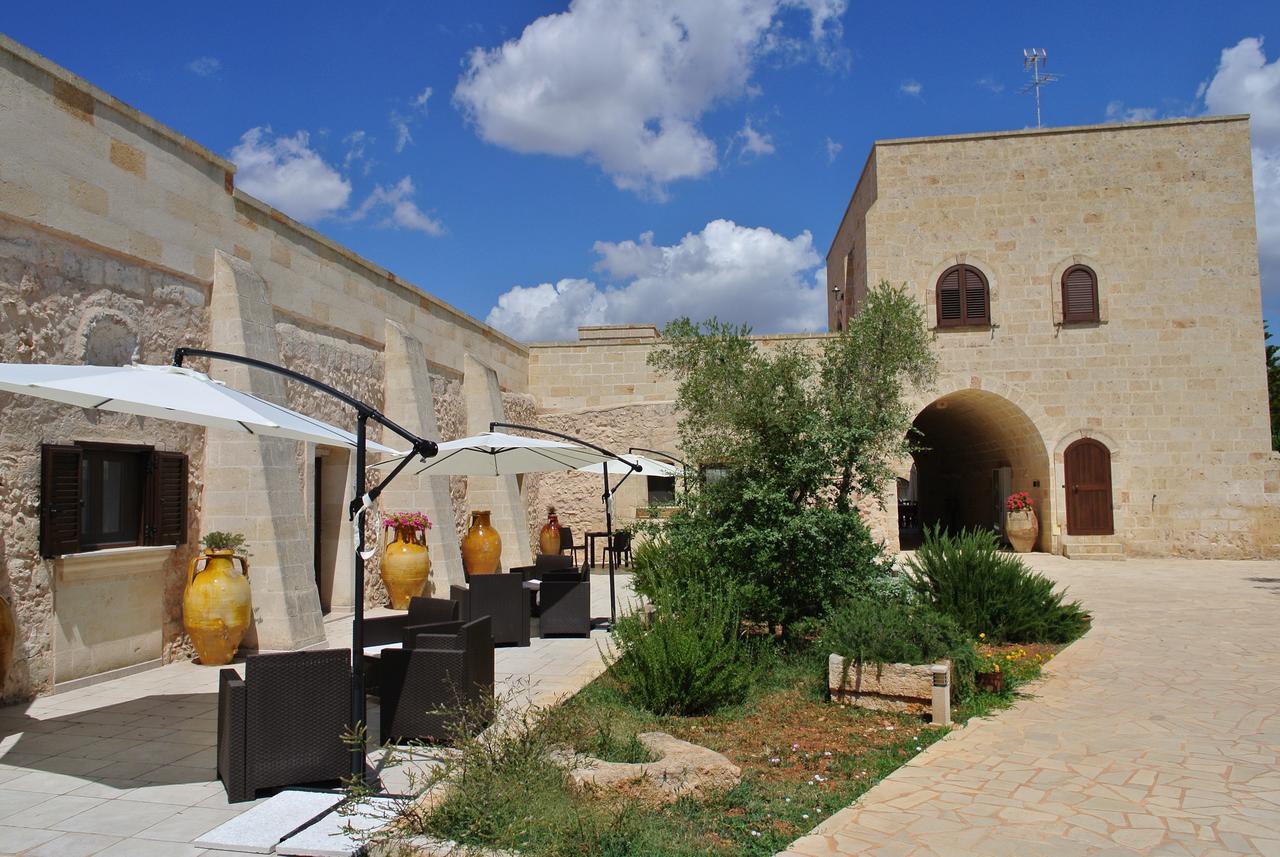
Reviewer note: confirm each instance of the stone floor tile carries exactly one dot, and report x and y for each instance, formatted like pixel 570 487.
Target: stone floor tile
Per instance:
pixel 120 817
pixel 73 845
pixel 15 839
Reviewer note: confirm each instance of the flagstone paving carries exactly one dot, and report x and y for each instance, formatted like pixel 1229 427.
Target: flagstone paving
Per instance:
pixel 126 767
pixel 1158 733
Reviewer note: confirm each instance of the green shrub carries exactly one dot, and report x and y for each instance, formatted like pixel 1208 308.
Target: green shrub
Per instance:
pixel 967 577
pixel 868 631
pixel 689 659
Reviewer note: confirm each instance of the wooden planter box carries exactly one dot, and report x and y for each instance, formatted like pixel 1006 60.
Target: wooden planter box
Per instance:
pixel 883 687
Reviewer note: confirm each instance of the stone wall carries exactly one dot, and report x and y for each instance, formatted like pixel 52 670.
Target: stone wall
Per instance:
pixel 1171 380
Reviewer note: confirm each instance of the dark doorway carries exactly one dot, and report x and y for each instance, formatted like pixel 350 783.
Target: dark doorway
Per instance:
pixel 1087 467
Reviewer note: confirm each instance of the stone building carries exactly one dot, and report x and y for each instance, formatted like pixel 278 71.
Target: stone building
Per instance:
pixel 120 240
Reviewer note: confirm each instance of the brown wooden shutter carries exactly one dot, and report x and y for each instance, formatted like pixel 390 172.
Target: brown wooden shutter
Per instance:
pixel 975 297
pixel 1079 295
pixel 950 302
pixel 167 507
pixel 59 500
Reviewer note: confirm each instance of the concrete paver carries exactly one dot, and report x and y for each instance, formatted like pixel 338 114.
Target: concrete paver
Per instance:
pixel 127 767
pixel 1157 733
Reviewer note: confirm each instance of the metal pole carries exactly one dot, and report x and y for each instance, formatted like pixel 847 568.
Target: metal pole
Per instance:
pixel 358 704
pixel 613 555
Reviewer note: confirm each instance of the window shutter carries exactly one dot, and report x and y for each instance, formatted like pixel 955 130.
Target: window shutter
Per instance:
pixel 167 510
pixel 950 308
pixel 59 500
pixel 975 297
pixel 1079 295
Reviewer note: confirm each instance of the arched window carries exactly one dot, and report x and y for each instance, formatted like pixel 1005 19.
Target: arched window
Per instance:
pixel 1079 294
pixel 963 297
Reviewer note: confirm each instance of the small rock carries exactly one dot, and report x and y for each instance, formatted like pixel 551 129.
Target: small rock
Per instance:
pixel 681 769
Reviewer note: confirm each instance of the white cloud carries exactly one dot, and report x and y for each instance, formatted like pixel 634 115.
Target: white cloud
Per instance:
pixel 737 273
pixel 990 84
pixel 911 87
pixel 420 100
pixel 1117 111
pixel 288 174
pixel 397 209
pixel 625 83
pixel 1246 83
pixel 356 142
pixel 754 143
pixel 833 150
pixel 400 123
pixel 205 66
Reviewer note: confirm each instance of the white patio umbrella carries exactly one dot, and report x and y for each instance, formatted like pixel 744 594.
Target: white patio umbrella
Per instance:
pixel 494 453
pixel 171 393
pixel 648 466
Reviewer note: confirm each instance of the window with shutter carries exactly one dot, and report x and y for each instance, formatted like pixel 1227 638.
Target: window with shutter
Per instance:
pixel 110 495
pixel 59 500
pixel 963 297
pixel 1079 295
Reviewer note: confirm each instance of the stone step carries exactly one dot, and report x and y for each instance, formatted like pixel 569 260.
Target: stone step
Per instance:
pixel 342 834
pixel 1103 550
pixel 260 829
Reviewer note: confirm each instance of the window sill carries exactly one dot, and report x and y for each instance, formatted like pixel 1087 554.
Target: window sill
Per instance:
pixel 962 328
pixel 113 562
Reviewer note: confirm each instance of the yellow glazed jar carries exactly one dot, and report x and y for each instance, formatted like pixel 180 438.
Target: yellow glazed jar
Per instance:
pixel 481 546
pixel 216 606
pixel 406 566
pixel 549 536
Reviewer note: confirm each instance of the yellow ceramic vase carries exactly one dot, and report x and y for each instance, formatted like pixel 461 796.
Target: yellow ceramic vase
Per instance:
pixel 481 546
pixel 216 606
pixel 406 566
pixel 549 538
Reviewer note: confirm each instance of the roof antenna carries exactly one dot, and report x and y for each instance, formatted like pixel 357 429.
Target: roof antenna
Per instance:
pixel 1035 59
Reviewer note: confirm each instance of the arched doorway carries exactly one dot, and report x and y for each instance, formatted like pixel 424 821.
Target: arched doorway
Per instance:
pixel 1086 466
pixel 973 449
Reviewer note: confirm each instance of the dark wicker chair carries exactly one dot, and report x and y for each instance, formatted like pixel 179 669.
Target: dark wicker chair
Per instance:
pixel 620 548
pixel 564 603
pixel 552 562
pixel 383 630
pixel 501 597
pixel 566 544
pixel 282 724
pixel 443 674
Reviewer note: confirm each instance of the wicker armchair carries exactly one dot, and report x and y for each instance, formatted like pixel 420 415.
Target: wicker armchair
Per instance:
pixel 385 630
pixel 552 562
pixel 564 601
pixel 443 674
pixel 282 724
pixel 503 598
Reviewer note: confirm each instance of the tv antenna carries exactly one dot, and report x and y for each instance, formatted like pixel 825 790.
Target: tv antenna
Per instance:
pixel 1035 59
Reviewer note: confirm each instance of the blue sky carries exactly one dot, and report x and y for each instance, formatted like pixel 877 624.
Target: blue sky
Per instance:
pixel 542 164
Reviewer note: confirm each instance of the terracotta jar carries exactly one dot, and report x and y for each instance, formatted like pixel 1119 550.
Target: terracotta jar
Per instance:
pixel 217 606
pixel 481 546
pixel 7 633
pixel 549 538
pixel 1022 528
pixel 406 566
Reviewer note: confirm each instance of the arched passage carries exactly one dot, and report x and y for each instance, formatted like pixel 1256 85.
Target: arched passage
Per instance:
pixel 975 447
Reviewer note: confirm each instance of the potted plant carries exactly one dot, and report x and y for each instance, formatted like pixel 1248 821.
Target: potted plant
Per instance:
pixel 406 562
pixel 1021 525
pixel 216 604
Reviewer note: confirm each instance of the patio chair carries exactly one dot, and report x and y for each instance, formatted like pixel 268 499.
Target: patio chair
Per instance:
pixel 620 548
pixel 566 543
pixel 502 598
pixel 564 602
pixel 282 724
pixel 440 679
pixel 552 562
pixel 388 630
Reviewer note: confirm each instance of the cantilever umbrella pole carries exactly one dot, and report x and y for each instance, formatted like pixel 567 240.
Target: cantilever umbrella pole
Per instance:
pixel 608 496
pixel 362 500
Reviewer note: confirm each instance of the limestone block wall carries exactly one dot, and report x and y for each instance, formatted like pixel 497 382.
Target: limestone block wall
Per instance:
pixel 1172 379
pixel 64 302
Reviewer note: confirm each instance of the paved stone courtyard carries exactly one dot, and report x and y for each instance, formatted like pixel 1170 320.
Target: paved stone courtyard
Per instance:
pixel 1158 733
pixel 126 768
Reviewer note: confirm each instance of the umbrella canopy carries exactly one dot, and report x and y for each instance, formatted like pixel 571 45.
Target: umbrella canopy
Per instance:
pixel 648 466
pixel 170 393
pixel 497 454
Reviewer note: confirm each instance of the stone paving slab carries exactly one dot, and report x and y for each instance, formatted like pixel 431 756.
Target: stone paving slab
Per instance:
pixel 127 767
pixel 1157 733
pixel 259 830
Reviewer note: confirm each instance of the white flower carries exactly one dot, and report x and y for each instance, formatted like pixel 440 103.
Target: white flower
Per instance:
pixel 755 833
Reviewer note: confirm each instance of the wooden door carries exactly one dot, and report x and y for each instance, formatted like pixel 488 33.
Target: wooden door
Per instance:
pixel 1087 464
